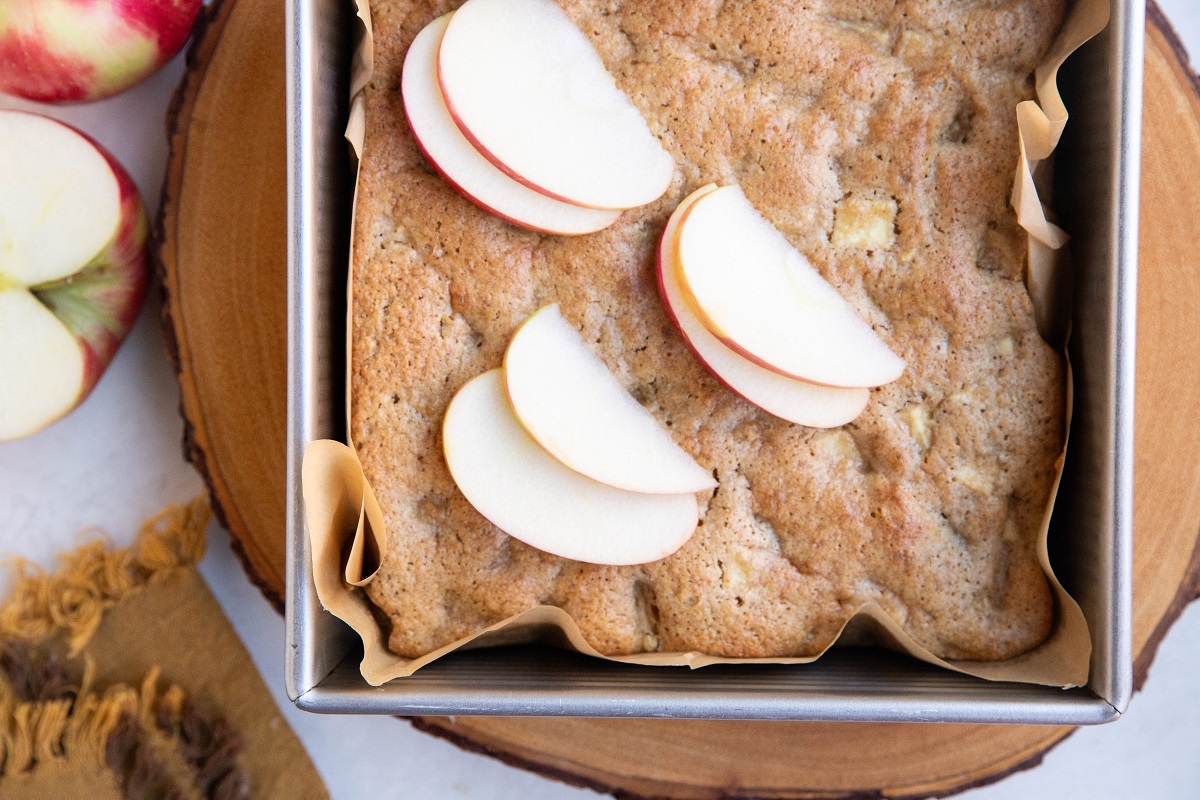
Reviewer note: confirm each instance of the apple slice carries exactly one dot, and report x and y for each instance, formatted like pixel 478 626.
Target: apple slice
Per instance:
pixel 72 268
pixel 531 496
pixel 761 298
pixel 457 160
pixel 794 400
pixel 531 93
pixel 568 401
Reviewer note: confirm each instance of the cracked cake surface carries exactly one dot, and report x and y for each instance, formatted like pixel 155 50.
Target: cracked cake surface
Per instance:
pixel 880 137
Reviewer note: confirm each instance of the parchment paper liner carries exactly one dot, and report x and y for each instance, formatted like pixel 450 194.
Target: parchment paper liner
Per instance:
pixel 345 522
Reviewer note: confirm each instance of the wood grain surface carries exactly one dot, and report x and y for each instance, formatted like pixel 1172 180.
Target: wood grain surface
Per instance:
pixel 221 255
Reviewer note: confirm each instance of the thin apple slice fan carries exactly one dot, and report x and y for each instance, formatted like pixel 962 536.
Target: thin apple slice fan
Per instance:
pixel 573 406
pixel 531 496
pixel 796 401
pixel 462 166
pixel 762 298
pixel 525 85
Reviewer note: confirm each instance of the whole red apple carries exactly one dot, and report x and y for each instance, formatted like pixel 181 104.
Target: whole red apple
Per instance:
pixel 72 268
pixel 57 51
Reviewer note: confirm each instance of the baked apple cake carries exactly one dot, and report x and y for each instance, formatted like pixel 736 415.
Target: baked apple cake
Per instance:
pixel 879 139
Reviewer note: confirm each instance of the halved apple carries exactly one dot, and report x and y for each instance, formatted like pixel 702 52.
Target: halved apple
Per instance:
pixel 72 268
pixel 763 299
pixel 525 85
pixel 569 402
pixel 531 496
pixel 457 160
pixel 789 398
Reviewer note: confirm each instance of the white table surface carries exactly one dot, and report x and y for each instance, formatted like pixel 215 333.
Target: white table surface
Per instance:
pixel 117 459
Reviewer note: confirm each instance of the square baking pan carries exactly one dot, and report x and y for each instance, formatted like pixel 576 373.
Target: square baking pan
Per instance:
pixel 1092 529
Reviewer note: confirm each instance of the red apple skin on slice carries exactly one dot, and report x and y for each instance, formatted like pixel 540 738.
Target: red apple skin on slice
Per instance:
pixel 461 165
pixel 569 402
pixel 96 302
pixel 529 91
pixel 761 298
pixel 531 496
pixel 794 400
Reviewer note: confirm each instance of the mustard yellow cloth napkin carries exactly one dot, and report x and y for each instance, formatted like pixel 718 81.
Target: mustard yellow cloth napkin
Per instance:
pixel 121 678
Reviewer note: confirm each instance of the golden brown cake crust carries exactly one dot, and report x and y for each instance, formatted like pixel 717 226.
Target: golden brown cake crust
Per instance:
pixel 880 137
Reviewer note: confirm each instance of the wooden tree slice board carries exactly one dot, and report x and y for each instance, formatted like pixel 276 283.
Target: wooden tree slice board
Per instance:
pixel 221 255
pixel 220 252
